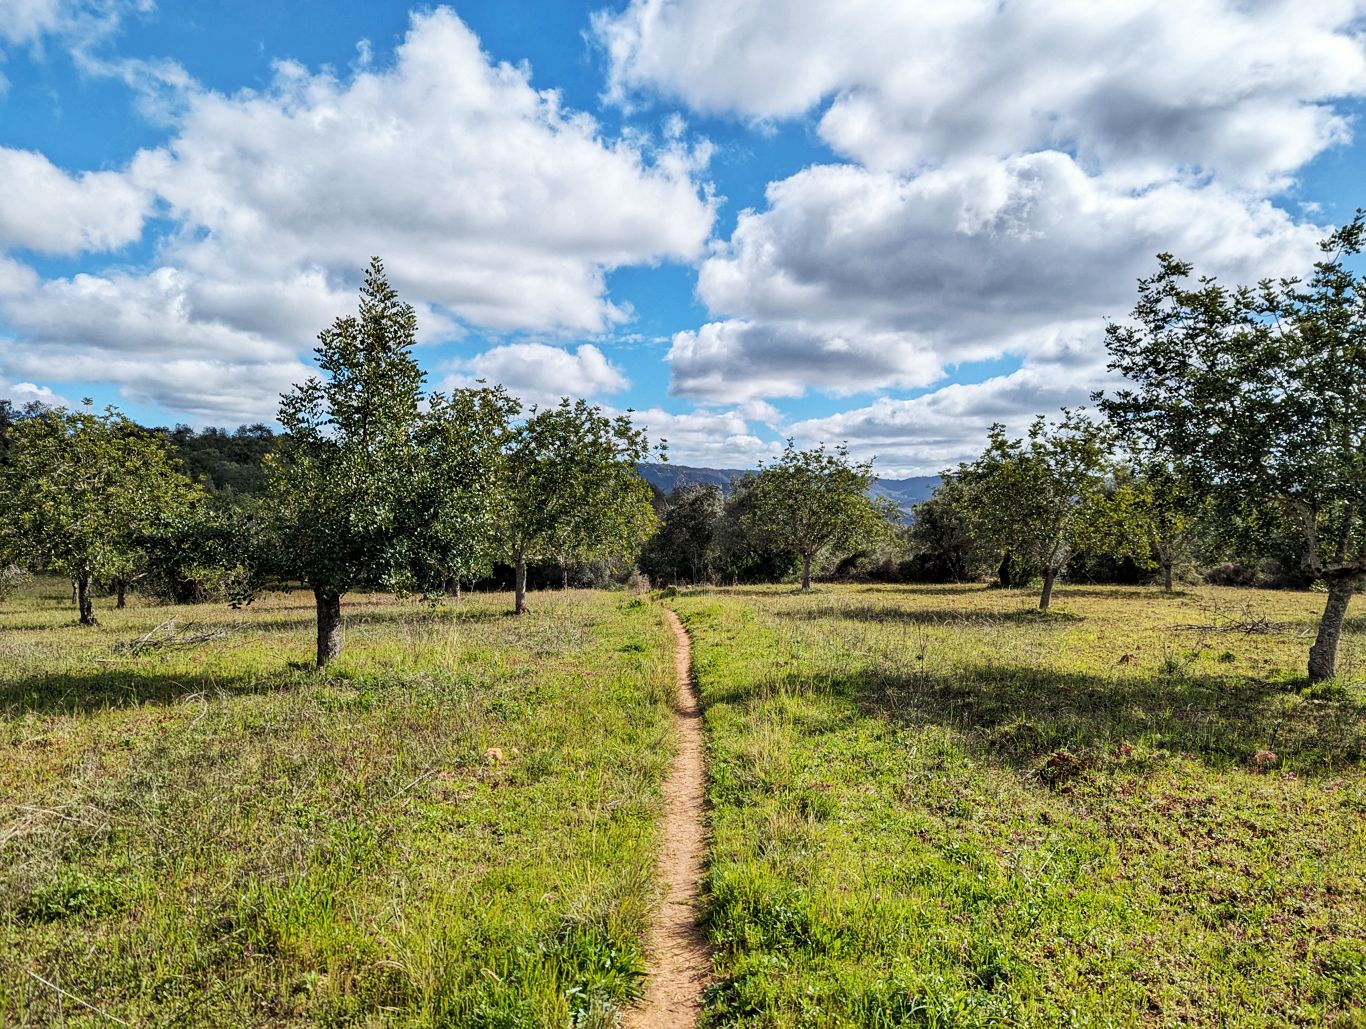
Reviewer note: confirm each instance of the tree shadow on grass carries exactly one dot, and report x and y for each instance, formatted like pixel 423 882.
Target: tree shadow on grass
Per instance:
pixel 930 616
pixel 89 692
pixel 1018 715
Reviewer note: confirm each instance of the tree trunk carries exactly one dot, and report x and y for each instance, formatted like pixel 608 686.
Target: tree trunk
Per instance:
pixel 1166 576
pixel 457 588
pixel 329 624
pixel 1003 570
pixel 519 589
pixel 121 588
pixel 806 571
pixel 564 576
pixel 1049 574
pixel 85 604
pixel 1323 655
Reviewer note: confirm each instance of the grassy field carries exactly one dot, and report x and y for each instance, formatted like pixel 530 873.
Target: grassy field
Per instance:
pixel 939 807
pixel 217 835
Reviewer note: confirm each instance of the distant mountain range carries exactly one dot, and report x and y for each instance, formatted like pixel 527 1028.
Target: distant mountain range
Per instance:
pixel 905 493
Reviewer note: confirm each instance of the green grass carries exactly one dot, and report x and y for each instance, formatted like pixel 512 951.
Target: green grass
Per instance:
pixel 938 807
pixel 220 836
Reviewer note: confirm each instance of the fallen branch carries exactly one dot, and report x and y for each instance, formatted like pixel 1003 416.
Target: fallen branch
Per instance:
pixel 72 996
pixel 166 636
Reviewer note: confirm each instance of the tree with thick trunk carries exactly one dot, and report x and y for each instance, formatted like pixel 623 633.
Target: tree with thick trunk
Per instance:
pixel 350 480
pixel 1323 655
pixel 1259 390
pixel 328 603
pixel 1050 575
pixel 121 593
pixel 806 571
pixel 519 587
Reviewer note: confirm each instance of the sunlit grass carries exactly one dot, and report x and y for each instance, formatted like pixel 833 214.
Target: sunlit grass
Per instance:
pixel 219 835
pixel 936 806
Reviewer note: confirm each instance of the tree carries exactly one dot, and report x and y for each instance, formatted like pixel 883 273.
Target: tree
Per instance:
pixel 218 549
pixel 82 490
pixel 1043 497
pixel 1260 391
pixel 942 534
pixel 814 501
pixel 683 547
pixel 462 440
pixel 344 480
pixel 741 552
pixel 1163 507
pixel 569 485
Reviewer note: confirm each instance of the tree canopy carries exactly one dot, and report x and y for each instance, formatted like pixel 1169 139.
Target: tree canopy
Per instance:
pixel 1260 390
pixel 81 491
pixel 569 485
pixel 1043 496
pixel 344 480
pixel 812 501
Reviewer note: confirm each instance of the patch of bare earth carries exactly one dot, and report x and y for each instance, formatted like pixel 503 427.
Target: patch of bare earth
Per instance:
pixel 676 946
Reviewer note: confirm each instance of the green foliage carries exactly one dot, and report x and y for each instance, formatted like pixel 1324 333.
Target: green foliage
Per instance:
pixel 815 501
pixel 225 462
pixel 943 537
pixel 462 440
pixel 220 548
pixel 683 547
pixel 342 480
pixel 741 553
pixel 81 493
pixel 1259 392
pixel 1046 496
pixel 569 486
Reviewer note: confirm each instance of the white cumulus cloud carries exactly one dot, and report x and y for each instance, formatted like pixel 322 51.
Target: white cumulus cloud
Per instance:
pixel 1242 90
pixel 540 373
pixel 493 205
pixel 853 280
pixel 43 208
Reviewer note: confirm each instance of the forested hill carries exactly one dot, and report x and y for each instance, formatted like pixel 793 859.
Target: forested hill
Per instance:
pixel 230 460
pixel 905 493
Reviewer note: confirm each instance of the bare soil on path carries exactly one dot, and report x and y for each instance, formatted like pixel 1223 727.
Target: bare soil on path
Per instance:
pixel 676 945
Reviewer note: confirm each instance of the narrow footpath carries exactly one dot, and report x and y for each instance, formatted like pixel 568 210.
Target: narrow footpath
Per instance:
pixel 676 946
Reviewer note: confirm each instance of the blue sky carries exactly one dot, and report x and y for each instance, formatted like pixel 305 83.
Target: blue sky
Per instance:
pixel 887 224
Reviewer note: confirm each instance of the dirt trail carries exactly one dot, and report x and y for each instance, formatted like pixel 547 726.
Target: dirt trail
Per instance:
pixel 676 946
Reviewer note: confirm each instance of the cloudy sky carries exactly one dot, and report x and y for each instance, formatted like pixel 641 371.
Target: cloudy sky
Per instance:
pixel 882 222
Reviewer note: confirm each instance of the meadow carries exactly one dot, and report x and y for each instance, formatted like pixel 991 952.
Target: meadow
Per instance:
pixel 937 806
pixel 454 824
pixel 928 806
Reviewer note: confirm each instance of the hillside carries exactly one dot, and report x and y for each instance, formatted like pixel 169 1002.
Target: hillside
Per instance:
pixel 906 493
